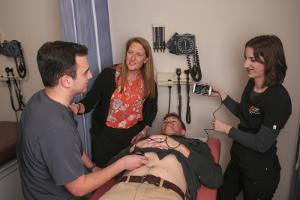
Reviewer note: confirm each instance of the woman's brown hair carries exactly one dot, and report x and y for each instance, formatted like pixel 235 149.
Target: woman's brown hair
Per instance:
pixel 268 50
pixel 147 69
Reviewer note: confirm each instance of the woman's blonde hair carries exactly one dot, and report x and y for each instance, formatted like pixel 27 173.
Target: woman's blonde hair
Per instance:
pixel 147 69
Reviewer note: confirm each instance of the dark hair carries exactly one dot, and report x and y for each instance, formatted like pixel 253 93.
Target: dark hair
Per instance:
pixel 56 59
pixel 176 116
pixel 268 50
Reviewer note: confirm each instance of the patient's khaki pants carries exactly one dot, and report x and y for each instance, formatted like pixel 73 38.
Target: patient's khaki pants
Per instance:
pixel 139 191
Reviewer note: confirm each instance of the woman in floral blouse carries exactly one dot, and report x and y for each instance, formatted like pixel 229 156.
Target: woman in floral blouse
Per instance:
pixel 124 99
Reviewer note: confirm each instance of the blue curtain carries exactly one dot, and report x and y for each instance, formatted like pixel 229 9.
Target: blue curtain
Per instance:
pixel 87 22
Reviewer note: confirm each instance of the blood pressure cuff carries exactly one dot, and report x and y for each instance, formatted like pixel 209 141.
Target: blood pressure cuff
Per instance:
pixel 10 49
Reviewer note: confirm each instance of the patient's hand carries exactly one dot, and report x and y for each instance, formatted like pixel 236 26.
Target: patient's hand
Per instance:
pixel 159 141
pixel 167 142
pixel 149 143
pixel 153 142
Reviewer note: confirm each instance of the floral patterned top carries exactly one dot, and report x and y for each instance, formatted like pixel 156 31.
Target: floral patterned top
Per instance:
pixel 126 108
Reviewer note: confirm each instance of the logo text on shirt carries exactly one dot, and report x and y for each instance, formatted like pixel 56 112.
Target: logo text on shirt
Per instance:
pixel 254 110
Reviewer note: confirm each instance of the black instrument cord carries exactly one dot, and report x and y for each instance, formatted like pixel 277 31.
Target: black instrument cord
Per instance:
pixel 219 107
pixel 165 140
pixel 170 88
pixel 160 33
pixel 163 39
pixel 188 108
pixel 20 64
pixel 154 39
pixel 178 72
pixel 18 93
pixel 195 70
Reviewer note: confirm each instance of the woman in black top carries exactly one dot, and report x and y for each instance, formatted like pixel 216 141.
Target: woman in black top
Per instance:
pixel 263 111
pixel 124 99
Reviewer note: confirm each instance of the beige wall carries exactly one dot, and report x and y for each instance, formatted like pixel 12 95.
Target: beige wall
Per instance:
pixel 221 29
pixel 32 22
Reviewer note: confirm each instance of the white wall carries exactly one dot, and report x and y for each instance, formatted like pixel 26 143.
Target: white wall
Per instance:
pixel 32 22
pixel 221 29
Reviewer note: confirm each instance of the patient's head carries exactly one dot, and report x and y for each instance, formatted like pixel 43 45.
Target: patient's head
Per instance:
pixel 173 125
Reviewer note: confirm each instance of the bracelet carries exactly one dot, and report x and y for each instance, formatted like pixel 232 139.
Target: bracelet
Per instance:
pixel 91 167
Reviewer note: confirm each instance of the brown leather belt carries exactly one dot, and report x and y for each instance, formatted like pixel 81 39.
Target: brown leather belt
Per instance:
pixel 153 180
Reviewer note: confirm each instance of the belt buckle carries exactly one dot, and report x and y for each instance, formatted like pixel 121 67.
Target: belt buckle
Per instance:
pixel 143 178
pixel 155 180
pixel 157 183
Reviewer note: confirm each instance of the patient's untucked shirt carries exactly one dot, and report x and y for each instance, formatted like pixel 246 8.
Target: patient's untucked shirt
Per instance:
pixel 49 149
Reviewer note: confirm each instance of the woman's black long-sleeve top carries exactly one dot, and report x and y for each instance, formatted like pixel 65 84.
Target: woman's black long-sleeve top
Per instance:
pixel 261 120
pixel 99 98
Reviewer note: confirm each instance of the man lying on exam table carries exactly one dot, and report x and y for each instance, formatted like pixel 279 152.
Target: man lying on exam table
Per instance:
pixel 176 166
